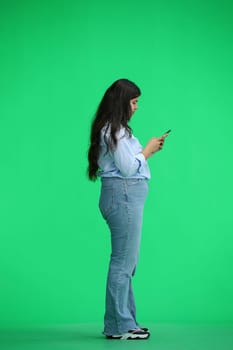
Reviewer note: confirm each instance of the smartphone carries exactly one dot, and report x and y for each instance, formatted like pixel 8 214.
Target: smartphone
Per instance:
pixel 167 132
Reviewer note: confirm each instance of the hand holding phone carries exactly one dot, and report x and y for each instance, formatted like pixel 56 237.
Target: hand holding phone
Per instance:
pixel 167 132
pixel 165 135
pixel 155 144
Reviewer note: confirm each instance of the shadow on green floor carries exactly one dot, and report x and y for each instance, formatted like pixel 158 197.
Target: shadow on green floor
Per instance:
pixel 88 336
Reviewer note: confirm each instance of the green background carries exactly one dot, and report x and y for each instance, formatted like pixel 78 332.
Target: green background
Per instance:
pixel 57 59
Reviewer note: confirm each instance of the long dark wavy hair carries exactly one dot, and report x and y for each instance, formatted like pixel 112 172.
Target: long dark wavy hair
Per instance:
pixel 113 112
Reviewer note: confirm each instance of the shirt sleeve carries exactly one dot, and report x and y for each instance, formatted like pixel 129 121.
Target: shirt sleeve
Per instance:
pixel 124 158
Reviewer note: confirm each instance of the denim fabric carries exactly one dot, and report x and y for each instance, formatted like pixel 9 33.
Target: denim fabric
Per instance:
pixel 121 204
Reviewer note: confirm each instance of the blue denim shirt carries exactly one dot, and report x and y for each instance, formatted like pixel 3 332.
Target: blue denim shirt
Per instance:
pixel 126 160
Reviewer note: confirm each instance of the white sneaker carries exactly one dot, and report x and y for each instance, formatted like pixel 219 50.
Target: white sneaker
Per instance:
pixel 133 334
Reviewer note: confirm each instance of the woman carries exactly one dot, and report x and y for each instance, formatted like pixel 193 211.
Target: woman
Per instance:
pixel 117 157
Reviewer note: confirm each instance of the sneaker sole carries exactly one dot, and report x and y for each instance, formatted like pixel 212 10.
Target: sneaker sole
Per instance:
pixel 129 336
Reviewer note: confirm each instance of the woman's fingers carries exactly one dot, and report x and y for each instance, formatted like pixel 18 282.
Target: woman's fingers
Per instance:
pixel 161 142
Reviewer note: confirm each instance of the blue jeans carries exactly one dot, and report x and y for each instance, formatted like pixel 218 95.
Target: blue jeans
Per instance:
pixel 121 204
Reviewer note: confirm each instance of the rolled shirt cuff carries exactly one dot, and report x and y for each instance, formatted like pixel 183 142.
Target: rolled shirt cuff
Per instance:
pixel 141 160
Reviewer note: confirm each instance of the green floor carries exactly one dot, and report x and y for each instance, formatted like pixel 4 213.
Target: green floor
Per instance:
pixel 88 336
